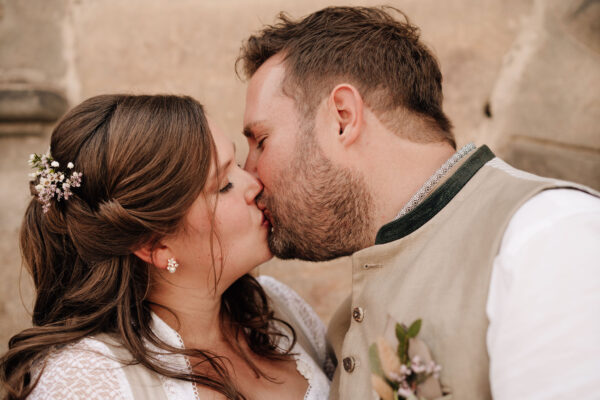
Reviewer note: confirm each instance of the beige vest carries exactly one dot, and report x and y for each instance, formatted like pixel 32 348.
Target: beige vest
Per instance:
pixel 435 264
pixel 146 384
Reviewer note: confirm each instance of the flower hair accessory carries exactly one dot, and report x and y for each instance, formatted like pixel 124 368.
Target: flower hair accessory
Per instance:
pixel 52 183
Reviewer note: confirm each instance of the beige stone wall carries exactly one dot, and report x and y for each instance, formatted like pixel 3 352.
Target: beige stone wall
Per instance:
pixel 531 65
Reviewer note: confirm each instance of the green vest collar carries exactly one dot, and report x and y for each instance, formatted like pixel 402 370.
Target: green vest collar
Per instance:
pixel 434 203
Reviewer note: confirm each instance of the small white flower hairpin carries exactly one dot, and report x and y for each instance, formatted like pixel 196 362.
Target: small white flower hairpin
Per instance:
pixel 52 183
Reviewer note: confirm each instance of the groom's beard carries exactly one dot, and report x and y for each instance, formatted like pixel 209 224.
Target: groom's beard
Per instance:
pixel 319 211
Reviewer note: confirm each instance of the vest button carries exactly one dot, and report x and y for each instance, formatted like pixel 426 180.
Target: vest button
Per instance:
pixel 349 364
pixel 358 314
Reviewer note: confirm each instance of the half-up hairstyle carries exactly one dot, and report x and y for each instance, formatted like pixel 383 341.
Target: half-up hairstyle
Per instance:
pixel 144 160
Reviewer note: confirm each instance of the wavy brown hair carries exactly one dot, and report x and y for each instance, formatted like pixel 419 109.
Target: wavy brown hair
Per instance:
pixel 144 160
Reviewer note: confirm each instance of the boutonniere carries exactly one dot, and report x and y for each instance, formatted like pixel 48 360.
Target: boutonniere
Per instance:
pixel 409 373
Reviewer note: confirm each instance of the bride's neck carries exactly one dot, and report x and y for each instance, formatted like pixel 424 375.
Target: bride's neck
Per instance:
pixel 194 314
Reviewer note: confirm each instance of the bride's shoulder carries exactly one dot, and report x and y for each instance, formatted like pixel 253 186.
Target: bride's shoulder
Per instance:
pixel 271 284
pixel 310 330
pixel 84 369
pixel 281 293
pixel 297 309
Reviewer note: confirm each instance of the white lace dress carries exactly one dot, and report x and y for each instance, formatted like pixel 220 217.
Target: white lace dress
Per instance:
pixel 87 369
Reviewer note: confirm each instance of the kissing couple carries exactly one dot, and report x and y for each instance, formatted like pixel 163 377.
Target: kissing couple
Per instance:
pixel 470 279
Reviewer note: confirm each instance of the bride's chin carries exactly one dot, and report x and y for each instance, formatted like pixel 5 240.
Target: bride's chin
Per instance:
pixel 268 256
pixel 264 256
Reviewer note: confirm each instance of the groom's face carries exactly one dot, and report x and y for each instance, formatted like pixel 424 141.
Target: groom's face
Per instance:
pixel 318 210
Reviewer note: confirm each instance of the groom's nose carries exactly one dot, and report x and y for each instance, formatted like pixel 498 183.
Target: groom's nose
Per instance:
pixel 250 165
pixel 253 189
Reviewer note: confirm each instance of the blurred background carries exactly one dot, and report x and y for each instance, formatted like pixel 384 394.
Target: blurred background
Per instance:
pixel 522 76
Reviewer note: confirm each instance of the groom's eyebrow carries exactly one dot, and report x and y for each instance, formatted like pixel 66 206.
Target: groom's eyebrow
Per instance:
pixel 251 127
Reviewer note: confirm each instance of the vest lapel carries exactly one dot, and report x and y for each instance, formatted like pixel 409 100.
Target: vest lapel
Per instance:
pixel 435 202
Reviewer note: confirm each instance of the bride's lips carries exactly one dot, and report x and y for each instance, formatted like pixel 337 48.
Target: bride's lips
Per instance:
pixel 266 218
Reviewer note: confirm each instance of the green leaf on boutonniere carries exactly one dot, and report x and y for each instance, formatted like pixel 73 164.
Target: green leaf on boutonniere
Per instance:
pixel 374 361
pixel 401 332
pixel 414 329
pixel 402 335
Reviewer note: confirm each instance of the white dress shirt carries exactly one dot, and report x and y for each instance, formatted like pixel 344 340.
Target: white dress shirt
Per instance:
pixel 544 301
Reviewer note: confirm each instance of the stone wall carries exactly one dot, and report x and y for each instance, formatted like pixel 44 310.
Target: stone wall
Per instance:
pixel 520 74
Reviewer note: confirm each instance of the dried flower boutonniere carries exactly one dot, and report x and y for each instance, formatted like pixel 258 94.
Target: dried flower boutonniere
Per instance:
pixel 409 373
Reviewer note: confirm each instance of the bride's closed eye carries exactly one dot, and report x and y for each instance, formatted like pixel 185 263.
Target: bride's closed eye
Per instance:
pixel 226 188
pixel 229 185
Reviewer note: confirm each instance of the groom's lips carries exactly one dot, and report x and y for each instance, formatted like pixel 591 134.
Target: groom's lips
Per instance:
pixel 267 217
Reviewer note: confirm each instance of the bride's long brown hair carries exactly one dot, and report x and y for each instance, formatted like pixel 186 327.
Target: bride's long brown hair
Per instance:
pixel 144 160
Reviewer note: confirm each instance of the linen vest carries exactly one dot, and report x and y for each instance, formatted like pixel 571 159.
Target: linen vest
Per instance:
pixel 434 263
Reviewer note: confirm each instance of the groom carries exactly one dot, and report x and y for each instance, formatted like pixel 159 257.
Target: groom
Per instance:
pixel 346 131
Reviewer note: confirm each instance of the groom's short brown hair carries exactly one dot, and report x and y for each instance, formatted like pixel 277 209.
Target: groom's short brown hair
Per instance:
pixel 365 46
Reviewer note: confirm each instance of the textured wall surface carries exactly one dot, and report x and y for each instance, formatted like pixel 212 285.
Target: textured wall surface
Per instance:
pixel 522 75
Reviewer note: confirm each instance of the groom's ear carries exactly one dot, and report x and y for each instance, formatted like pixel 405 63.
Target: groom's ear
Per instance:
pixel 348 107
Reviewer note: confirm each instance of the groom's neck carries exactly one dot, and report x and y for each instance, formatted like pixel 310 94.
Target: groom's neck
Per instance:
pixel 397 170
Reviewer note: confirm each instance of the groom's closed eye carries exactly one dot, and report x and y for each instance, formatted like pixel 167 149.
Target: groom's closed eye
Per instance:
pixel 255 130
pixel 260 141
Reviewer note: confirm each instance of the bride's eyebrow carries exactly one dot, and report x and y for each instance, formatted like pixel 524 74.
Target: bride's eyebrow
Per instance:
pixel 212 177
pixel 225 165
pixel 230 160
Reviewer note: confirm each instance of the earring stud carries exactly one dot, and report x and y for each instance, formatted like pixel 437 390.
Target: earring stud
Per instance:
pixel 172 265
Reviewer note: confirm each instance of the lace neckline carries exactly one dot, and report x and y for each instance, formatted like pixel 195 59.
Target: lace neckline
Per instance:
pixel 304 364
pixel 305 367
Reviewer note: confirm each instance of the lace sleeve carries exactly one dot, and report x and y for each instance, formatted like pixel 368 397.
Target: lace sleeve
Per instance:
pixel 81 371
pixel 310 322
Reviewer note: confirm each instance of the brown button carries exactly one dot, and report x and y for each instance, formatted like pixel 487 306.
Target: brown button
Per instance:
pixel 358 314
pixel 349 364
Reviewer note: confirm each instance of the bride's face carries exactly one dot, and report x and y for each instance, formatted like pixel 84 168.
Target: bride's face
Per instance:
pixel 239 229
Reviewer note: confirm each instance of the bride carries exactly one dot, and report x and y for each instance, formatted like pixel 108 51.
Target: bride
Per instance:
pixel 139 239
